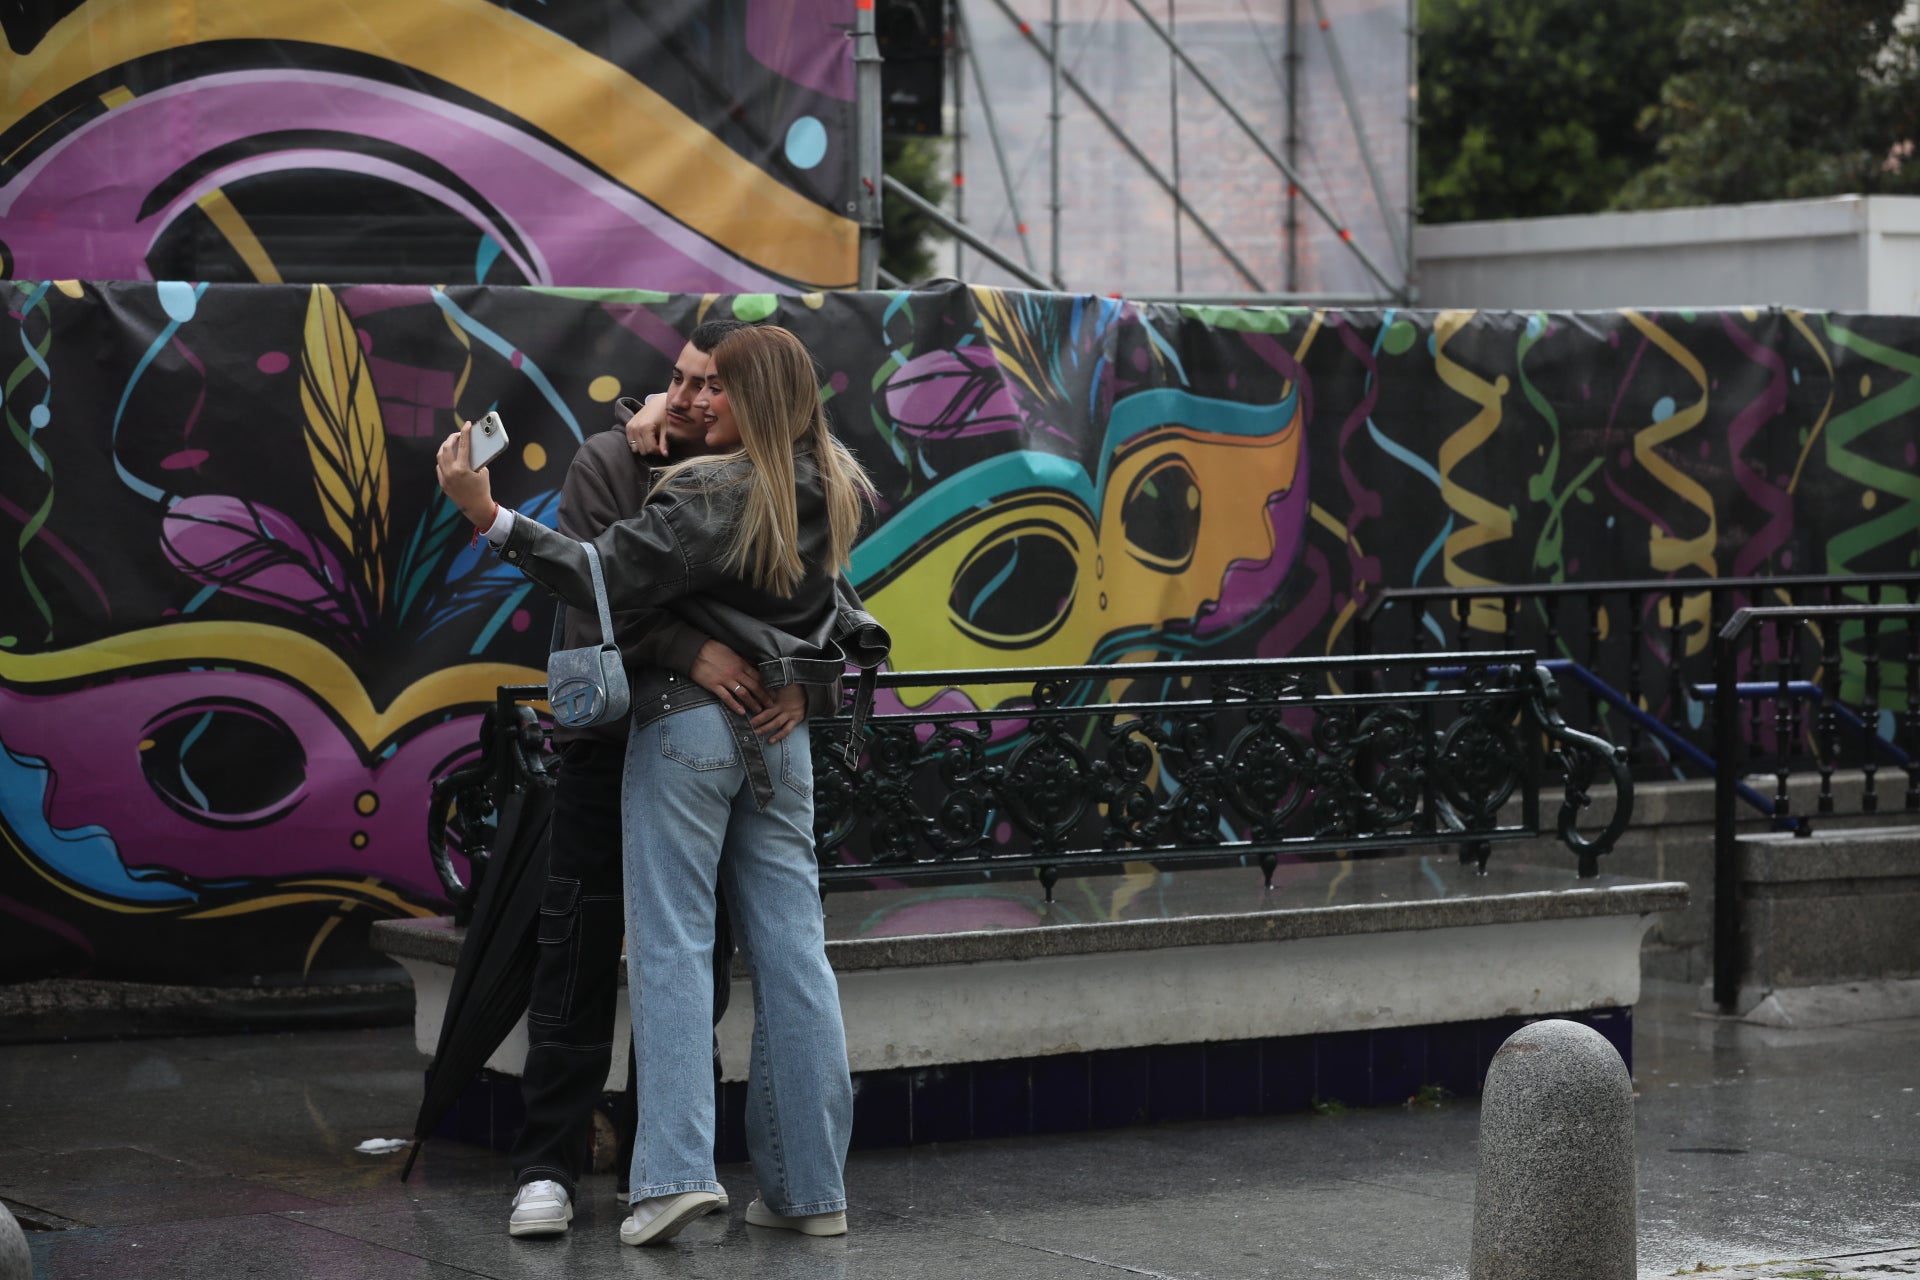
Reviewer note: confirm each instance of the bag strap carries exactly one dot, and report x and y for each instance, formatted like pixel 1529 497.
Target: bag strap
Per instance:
pixel 862 705
pixel 599 593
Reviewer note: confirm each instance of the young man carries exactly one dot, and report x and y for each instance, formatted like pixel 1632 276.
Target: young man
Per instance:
pixel 575 980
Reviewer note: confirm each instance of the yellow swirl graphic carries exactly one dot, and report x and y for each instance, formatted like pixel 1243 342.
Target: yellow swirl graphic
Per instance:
pixel 1666 552
pixel 1485 522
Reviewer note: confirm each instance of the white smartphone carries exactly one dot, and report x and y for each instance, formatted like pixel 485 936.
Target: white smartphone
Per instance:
pixel 488 439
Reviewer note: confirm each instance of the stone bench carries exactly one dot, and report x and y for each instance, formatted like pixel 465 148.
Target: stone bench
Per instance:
pixel 983 1010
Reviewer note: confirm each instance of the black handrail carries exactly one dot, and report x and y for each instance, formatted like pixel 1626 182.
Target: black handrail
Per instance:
pixel 1616 649
pixel 1786 621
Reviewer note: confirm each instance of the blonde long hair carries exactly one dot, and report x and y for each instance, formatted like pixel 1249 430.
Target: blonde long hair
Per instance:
pixel 771 383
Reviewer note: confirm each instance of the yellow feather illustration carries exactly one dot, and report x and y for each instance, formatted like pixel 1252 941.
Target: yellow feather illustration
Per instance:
pixel 1016 351
pixel 345 436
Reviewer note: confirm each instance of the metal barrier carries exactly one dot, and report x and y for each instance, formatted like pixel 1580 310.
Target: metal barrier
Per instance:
pixel 1815 676
pixel 1182 762
pixel 1167 763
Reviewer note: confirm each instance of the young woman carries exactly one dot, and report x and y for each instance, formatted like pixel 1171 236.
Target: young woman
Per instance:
pixel 746 545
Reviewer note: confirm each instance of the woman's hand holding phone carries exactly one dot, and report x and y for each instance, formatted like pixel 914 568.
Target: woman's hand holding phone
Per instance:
pixel 470 490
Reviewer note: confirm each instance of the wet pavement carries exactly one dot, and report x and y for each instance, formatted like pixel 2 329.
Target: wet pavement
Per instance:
pixel 1768 1153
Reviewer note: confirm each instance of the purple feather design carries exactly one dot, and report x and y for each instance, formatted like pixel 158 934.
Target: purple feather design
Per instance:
pixel 257 553
pixel 951 394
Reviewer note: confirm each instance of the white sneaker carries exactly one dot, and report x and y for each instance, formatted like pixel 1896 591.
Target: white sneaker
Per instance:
pixel 658 1219
pixel 808 1224
pixel 540 1208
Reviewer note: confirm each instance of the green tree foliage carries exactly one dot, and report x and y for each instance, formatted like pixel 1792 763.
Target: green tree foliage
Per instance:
pixel 1531 107
pixel 1786 99
pixel 905 233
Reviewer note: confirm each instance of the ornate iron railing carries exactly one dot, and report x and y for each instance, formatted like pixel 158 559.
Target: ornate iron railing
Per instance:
pixel 1649 639
pixel 1175 762
pixel 1050 768
pixel 1881 719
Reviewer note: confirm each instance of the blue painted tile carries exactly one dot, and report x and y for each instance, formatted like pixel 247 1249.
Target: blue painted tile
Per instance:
pixel 1118 1085
pixel 1398 1058
pixel 1233 1079
pixel 1062 1093
pixel 730 1122
pixel 508 1112
pixel 1003 1098
pixel 1342 1068
pixel 1617 1026
pixel 942 1103
pixel 1453 1058
pixel 1286 1074
pixel 1176 1082
pixel 1493 1034
pixel 488 1113
pixel 882 1109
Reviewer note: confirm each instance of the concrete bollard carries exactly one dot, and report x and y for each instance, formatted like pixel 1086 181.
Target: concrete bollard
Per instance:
pixel 1555 1194
pixel 15 1262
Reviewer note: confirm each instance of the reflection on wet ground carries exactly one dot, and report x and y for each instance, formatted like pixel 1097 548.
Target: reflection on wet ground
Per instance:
pixel 235 1155
pixel 895 908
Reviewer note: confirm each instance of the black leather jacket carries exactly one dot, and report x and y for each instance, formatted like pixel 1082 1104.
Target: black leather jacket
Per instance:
pixel 671 555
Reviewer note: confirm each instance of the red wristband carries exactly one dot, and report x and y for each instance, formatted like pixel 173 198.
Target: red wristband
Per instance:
pixel 474 541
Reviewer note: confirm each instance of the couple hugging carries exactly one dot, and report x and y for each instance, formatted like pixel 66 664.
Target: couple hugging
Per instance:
pixel 722 566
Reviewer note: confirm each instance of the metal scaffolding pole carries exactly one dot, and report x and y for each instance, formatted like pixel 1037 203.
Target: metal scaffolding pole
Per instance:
pixel 1139 157
pixel 1173 112
pixel 1293 140
pixel 993 133
pixel 1413 144
pixel 954 54
pixel 1293 176
pixel 1360 134
pixel 1266 299
pixel 866 201
pixel 1053 125
pixel 962 231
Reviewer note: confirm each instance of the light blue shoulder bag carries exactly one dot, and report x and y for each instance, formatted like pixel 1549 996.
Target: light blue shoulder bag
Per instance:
pixel 587 686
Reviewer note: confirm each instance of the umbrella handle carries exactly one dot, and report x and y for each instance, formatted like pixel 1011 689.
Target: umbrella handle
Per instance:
pixel 510 761
pixel 470 784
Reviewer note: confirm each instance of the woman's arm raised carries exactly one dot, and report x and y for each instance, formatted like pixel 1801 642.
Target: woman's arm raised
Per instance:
pixel 643 559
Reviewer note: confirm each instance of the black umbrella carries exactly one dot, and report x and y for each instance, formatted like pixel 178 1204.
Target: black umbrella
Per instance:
pixel 494 974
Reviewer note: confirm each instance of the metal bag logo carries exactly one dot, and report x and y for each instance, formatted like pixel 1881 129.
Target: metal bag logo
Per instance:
pixel 576 701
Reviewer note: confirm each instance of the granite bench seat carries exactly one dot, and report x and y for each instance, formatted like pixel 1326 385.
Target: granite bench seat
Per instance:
pixel 1384 959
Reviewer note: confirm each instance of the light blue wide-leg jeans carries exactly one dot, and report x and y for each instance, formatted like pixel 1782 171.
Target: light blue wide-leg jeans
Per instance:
pixel 691 818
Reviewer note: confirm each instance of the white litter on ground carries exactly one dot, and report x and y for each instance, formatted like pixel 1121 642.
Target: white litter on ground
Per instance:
pixel 383 1146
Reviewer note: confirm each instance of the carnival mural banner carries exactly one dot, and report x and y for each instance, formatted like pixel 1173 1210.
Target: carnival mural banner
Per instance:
pixel 241 631
pixel 691 145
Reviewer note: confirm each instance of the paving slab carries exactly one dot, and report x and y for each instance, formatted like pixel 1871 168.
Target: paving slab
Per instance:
pixel 1877 1265
pixel 233 1155
pixel 226 1247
